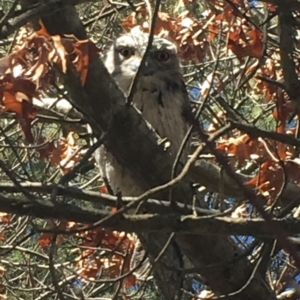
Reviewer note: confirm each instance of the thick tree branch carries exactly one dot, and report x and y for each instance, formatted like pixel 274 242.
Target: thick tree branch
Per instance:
pixel 29 12
pixel 151 205
pixel 20 18
pixel 168 223
pixel 208 175
pixel 286 45
pixel 292 4
pixel 255 132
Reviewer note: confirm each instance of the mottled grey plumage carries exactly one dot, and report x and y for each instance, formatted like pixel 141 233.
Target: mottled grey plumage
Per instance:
pixel 160 96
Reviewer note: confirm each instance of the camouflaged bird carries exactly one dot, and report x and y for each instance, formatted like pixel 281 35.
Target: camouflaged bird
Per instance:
pixel 160 96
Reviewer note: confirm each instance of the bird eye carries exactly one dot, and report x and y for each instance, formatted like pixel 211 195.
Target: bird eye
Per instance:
pixel 126 52
pixel 162 56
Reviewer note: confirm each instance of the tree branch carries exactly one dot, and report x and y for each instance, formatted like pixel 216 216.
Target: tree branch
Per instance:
pixel 167 223
pixel 286 45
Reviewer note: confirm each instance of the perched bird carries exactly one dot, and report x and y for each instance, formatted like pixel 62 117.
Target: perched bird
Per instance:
pixel 160 96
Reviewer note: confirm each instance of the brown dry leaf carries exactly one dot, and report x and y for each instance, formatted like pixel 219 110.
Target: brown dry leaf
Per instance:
pixel 65 153
pixel 58 53
pixel 114 266
pixel 164 25
pixel 185 30
pixel 165 22
pixel 45 239
pixel 237 49
pixel 255 47
pixel 16 96
pixel 129 22
pixel 103 189
pixel 241 46
pixel 38 53
pixel 40 50
pixel 268 90
pixel 82 60
pixel 90 263
pixel 59 148
pixel 270 70
pixel 190 35
pixel 46 149
pixel 42 31
pixel 212 32
pixel 80 52
pixel 227 15
pixel 241 147
pixel 271 7
pixel 5 217
pixel 38 64
pixel 129 281
pixel 10 103
pixel 90 268
pixel 29 68
pixel 269 180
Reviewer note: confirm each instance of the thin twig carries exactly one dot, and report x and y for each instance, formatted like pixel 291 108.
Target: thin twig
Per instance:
pixel 145 56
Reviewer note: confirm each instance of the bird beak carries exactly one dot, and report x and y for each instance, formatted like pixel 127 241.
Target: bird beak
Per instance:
pixel 135 64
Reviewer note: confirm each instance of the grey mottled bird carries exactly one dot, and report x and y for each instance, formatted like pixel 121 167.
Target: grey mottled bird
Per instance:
pixel 160 96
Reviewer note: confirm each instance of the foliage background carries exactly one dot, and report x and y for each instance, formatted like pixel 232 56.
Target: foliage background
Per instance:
pixel 240 62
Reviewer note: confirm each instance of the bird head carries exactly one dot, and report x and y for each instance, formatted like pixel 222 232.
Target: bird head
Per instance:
pixel 125 55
